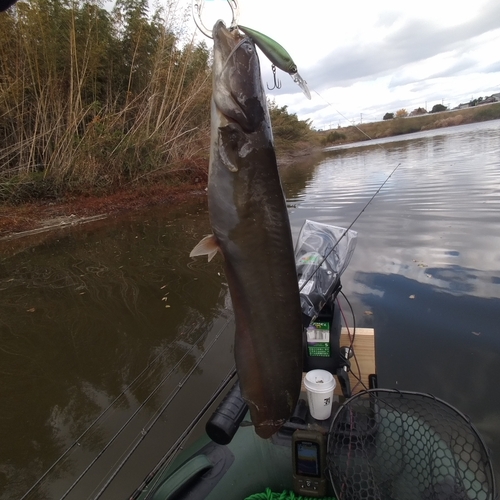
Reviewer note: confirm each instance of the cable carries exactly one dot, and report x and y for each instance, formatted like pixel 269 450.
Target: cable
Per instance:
pixel 352 314
pixel 351 341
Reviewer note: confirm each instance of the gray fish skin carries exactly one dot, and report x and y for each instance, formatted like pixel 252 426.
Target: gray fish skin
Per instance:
pixel 251 229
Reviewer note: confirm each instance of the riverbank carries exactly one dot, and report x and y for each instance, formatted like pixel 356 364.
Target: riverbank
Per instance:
pixel 43 215
pixel 34 217
pixel 410 124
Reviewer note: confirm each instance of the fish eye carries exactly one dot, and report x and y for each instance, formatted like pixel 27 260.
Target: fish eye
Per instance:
pixel 248 46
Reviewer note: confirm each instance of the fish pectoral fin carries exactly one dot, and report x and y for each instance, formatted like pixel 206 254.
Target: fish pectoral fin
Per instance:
pixel 207 246
pixel 232 146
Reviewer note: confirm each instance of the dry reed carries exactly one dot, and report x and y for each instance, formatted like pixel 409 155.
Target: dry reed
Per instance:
pixel 91 99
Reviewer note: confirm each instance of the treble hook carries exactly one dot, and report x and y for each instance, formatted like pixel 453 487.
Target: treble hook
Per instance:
pixel 198 9
pixel 277 83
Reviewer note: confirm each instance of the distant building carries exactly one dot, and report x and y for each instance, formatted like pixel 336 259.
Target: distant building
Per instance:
pixel 477 102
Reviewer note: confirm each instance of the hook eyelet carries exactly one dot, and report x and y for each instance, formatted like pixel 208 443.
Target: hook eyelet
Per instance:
pixel 198 10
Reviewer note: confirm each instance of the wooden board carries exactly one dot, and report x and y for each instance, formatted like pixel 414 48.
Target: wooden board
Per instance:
pixel 364 349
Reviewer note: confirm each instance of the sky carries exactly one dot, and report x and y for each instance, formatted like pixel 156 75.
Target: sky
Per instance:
pixel 363 58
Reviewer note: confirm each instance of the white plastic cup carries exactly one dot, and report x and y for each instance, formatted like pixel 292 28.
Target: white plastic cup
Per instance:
pixel 320 385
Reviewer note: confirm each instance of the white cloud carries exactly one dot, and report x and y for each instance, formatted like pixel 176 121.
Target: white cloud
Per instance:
pixel 372 57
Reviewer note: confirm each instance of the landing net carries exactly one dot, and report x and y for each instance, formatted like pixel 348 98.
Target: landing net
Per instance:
pixel 395 445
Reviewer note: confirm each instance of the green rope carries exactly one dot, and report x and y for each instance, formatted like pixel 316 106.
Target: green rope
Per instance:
pixel 286 495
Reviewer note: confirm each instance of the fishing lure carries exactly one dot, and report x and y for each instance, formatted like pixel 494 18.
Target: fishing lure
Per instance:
pixel 275 52
pixel 278 56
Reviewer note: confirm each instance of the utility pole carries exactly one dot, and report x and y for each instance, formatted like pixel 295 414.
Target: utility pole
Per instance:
pixel 361 117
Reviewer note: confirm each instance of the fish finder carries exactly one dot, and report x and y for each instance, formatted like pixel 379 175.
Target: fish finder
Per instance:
pixel 309 463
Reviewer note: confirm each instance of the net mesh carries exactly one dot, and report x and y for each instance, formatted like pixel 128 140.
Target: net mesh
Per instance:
pixel 394 445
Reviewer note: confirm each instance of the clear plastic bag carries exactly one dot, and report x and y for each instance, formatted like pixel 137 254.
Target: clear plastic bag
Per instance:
pixel 322 253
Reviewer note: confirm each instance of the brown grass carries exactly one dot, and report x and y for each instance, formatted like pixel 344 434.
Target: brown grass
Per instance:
pixel 89 103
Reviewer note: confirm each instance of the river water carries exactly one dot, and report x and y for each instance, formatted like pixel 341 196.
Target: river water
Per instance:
pixel 112 338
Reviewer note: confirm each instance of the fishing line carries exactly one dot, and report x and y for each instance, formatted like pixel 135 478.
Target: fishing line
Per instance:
pixel 235 48
pixel 97 419
pixel 344 117
pixel 362 210
pixel 154 420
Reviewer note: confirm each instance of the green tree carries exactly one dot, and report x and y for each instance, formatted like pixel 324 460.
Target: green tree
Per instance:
pixel 335 136
pixel 287 128
pixel 138 40
pixel 388 116
pixel 438 108
pixel 475 102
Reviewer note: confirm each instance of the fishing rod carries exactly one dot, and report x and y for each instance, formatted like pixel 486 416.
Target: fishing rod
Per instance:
pixel 348 228
pixel 154 420
pixel 142 374
pixel 346 231
pixel 129 420
pixel 78 440
pixel 365 206
pixel 177 446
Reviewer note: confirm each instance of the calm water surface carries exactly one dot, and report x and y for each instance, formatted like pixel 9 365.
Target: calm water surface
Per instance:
pixel 113 321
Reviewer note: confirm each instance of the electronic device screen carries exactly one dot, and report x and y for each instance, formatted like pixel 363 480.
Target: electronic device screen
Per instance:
pixel 307 461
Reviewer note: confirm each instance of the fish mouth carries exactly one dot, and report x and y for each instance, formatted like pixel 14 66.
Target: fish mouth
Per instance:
pixel 225 40
pixel 237 87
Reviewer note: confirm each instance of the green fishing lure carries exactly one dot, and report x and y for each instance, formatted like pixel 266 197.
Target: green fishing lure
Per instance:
pixel 278 56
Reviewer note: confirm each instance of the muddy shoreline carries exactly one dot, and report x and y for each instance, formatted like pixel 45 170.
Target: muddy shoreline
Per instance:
pixel 27 219
pixel 38 217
